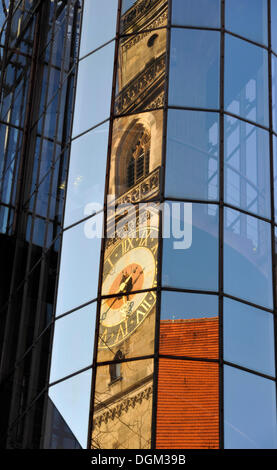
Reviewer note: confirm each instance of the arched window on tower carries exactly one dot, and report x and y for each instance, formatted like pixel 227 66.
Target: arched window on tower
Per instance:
pixel 138 162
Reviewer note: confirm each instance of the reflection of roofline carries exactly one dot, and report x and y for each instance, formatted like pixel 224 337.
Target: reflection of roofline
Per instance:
pixel 188 320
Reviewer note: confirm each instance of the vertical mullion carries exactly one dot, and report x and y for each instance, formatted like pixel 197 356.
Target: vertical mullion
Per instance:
pixel 221 232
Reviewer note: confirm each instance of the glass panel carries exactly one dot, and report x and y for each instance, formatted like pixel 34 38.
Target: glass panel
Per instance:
pixel 194 68
pixel 79 268
pixel 255 11
pixel 274 91
pixel 123 407
pixel 188 405
pixel 71 399
pixel 87 172
pixel 189 325
pixel 249 337
pixel 93 95
pixel 273 23
pixel 246 80
pixel 142 15
pixel 190 246
pixel 127 324
pixel 136 139
pixel 196 13
pixel 250 411
pixel 73 342
pixel 192 155
pixel 141 72
pixel 247 167
pixel 247 258
pixel 57 434
pixel 99 24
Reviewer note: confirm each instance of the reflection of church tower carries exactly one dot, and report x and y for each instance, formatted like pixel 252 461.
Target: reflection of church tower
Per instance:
pixel 123 392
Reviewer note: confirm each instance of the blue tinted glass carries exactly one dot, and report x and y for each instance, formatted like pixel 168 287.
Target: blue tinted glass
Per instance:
pixel 247 258
pixel 79 269
pixel 249 337
pixel 246 80
pixel 196 13
pixel 192 155
pixel 250 411
pixel 247 18
pixel 93 95
pixel 274 91
pixel 273 23
pixel 190 246
pixel 99 24
pixel 72 399
pixel 87 171
pixel 73 342
pixel 247 167
pixel 194 68
pixel 184 305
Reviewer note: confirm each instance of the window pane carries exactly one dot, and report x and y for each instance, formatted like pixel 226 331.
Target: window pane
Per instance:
pixel 192 155
pixel 138 16
pixel 189 325
pixel 273 23
pixel 190 246
pixel 98 27
pixel 255 11
pixel 79 268
pixel 73 342
pixel 93 95
pixel 141 72
pixel 188 405
pixel 274 91
pixel 249 337
pixel 250 411
pixel 246 80
pixel 71 399
pixel 87 172
pixel 196 13
pixel 247 167
pixel 247 258
pixel 127 323
pixel 123 408
pixel 194 68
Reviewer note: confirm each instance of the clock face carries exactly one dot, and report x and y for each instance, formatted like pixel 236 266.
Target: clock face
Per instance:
pixel 129 267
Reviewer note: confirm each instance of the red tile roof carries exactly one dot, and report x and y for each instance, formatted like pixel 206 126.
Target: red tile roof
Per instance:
pixel 187 413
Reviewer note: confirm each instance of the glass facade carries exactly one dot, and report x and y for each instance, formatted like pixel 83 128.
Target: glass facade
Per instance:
pixel 165 306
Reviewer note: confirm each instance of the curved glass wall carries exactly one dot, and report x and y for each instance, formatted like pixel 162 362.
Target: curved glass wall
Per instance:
pixel 179 275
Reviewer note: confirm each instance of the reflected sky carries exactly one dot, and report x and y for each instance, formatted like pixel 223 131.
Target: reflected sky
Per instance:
pixel 182 305
pixel 250 411
pixel 200 13
pixel 255 11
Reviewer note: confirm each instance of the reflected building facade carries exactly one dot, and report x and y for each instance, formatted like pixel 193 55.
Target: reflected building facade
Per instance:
pixel 165 307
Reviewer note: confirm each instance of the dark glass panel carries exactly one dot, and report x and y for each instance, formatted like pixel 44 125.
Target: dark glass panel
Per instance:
pixel 71 399
pixel 79 268
pixel 192 155
pixel 255 11
pixel 247 167
pixel 246 80
pixel 247 258
pixel 57 434
pixel 87 171
pixel 73 342
pixel 93 95
pixel 188 405
pixel 99 24
pixel 190 246
pixel 249 411
pixel 249 337
pixel 141 72
pixel 189 325
pixel 194 68
pixel 196 13
pixel 123 407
